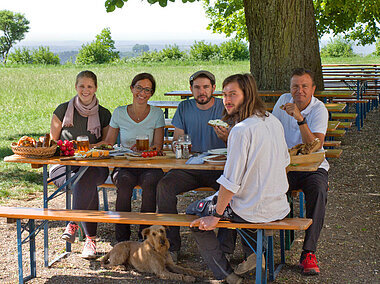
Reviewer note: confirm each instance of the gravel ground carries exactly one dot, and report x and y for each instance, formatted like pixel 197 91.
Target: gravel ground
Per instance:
pixel 347 251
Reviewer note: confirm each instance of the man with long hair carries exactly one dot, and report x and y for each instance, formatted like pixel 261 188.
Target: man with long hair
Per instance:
pixel 253 185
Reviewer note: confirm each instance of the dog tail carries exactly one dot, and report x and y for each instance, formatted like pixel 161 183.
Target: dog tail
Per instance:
pixel 105 258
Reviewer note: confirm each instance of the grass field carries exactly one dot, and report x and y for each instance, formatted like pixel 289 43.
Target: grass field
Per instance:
pixel 29 95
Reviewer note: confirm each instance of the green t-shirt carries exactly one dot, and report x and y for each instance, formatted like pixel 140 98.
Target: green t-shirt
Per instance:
pixel 80 123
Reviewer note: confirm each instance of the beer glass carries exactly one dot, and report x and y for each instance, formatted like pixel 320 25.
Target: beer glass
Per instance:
pixel 83 143
pixel 142 143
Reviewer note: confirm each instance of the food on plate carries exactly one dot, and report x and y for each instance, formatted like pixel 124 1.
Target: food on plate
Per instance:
pixel 26 141
pixel 93 153
pixel 305 149
pixel 104 147
pixel 218 158
pixel 218 122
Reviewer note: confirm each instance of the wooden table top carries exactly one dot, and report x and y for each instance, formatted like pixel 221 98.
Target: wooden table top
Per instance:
pixel 335 107
pixel 332 125
pixel 164 164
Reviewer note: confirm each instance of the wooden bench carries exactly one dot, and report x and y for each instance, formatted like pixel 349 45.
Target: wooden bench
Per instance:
pixel 333 153
pixel 331 143
pixel 343 115
pixel 336 133
pixel 345 124
pixel 264 230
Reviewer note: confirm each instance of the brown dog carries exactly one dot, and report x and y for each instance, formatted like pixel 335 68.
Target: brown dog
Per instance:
pixel 151 256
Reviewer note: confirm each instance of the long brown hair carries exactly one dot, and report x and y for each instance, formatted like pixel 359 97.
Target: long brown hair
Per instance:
pixel 252 104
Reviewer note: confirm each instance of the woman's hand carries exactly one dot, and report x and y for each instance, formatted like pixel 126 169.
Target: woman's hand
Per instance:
pixel 207 223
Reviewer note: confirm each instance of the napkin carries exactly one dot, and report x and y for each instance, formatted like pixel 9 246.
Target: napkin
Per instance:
pixel 197 160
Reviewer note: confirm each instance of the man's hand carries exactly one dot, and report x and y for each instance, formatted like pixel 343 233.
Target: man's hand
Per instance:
pixel 293 110
pixel 222 133
pixel 207 223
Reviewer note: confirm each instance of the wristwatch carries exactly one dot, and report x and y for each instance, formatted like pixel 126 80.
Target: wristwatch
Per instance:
pixel 302 122
pixel 216 214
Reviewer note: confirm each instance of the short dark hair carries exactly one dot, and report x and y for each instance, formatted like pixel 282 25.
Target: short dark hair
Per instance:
pixel 302 71
pixel 143 76
pixel 87 74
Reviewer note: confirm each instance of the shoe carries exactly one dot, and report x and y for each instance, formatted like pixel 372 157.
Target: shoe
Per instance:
pixel 89 249
pixel 309 264
pixel 70 232
pixel 174 254
pixel 228 256
pixel 233 279
pixel 248 264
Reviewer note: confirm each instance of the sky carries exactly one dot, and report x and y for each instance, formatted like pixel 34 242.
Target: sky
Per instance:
pixel 82 20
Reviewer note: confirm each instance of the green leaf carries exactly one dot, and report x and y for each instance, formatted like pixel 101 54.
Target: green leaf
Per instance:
pixel 163 3
pixel 119 3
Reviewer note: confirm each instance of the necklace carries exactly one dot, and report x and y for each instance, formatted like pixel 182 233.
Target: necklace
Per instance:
pixel 137 117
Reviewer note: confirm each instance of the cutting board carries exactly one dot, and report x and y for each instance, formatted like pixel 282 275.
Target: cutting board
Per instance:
pixel 169 155
pixel 310 158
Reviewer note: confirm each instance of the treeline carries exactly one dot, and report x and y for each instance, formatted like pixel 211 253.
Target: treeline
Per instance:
pixel 102 50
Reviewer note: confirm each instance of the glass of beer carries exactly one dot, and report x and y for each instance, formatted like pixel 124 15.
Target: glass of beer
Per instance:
pixel 83 143
pixel 142 143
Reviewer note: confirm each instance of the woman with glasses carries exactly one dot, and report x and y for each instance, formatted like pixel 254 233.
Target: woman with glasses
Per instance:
pixel 130 121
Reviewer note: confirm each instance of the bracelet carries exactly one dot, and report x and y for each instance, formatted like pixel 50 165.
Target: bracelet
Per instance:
pixel 302 122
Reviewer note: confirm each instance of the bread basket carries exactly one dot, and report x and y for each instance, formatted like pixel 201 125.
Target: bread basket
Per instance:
pixel 34 152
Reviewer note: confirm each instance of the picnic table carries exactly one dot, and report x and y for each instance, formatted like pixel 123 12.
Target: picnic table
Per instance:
pixel 165 164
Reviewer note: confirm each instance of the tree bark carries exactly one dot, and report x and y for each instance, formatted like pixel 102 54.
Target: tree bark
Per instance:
pixel 282 36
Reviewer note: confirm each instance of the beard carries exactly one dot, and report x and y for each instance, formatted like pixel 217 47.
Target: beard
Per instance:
pixel 203 102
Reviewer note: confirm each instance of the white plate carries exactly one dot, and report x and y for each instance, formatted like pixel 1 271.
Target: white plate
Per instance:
pixel 218 162
pixel 220 151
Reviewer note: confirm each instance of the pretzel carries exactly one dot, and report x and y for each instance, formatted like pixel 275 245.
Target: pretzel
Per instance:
pixel 26 141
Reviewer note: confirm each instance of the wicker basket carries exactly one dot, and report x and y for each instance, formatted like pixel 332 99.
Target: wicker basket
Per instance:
pixel 32 152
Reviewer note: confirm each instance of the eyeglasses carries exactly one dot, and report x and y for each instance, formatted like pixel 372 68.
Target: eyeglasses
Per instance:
pixel 145 90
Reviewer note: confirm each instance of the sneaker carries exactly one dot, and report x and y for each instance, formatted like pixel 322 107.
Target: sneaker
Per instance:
pixel 174 255
pixel 89 249
pixel 70 232
pixel 309 264
pixel 228 256
pixel 233 279
pixel 248 264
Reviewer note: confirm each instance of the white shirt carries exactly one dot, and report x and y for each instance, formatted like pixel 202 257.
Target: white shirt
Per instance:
pixel 317 117
pixel 255 171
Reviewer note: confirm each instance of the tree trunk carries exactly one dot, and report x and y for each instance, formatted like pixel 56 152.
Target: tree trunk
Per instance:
pixel 282 36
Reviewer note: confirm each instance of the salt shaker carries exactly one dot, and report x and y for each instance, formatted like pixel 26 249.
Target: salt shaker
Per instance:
pixel 178 151
pixel 185 152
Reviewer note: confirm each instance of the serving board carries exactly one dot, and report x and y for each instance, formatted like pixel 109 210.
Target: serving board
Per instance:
pixel 318 156
pixel 169 155
pixel 83 158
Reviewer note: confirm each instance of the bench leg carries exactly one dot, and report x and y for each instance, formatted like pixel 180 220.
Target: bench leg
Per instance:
pixel 259 257
pixel 32 248
pixel 19 252
pixel 270 256
pixel 301 204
